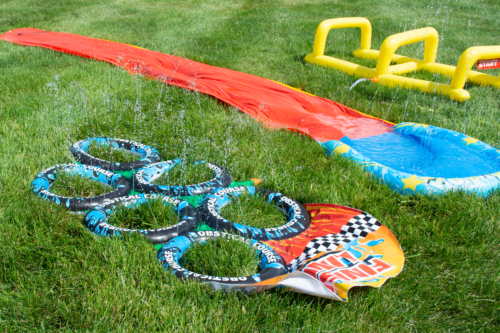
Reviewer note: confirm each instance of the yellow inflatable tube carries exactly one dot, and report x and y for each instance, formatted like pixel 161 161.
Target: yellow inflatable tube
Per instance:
pixel 388 74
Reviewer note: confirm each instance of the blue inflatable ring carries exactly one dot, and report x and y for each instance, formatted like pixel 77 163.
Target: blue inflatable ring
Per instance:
pixel 43 181
pixel 147 174
pixel 96 219
pixel 80 152
pixel 271 264
pixel 298 217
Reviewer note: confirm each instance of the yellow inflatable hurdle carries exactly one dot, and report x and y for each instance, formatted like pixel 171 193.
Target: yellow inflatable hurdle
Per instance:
pixel 387 74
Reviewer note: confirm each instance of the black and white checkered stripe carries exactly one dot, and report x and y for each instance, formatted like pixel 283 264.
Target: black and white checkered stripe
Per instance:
pixel 358 227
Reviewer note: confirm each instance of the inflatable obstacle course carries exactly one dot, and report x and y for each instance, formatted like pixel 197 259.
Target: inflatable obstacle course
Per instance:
pixel 144 177
pixel 43 181
pixel 271 264
pixel 321 257
pixel 390 75
pixel 148 154
pixel 96 219
pixel 342 248
pixel 297 217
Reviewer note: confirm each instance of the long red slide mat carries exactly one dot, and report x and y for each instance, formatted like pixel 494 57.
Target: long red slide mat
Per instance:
pixel 275 104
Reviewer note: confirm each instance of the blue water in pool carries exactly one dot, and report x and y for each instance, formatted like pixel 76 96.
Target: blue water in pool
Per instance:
pixel 424 156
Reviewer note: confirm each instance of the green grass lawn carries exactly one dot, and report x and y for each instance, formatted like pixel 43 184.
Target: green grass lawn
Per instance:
pixel 57 276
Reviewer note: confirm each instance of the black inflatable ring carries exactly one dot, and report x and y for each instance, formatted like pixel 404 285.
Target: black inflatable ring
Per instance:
pixel 96 219
pixel 147 174
pixel 298 217
pixel 149 154
pixel 272 265
pixel 44 179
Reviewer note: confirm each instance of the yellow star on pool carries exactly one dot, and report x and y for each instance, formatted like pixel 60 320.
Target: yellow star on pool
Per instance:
pixel 412 182
pixel 470 140
pixel 342 149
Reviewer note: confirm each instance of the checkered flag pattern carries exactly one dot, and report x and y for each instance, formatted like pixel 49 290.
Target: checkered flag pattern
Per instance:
pixel 358 227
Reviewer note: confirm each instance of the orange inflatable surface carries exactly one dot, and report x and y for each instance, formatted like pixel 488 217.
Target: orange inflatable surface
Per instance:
pixel 277 105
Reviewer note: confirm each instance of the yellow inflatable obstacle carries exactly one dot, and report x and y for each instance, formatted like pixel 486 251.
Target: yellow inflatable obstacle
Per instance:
pixel 387 74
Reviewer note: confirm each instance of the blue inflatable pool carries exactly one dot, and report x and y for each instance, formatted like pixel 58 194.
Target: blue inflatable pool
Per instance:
pixel 417 158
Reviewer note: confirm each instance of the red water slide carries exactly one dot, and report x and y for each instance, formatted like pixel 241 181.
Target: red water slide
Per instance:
pixel 275 104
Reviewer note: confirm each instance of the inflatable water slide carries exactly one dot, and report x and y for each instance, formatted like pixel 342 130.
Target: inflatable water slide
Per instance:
pixel 409 157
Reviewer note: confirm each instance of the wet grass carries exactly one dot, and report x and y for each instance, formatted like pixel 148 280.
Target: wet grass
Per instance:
pixel 185 174
pixel 56 276
pixel 71 185
pixel 253 211
pixel 221 257
pixel 108 153
pixel 153 214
